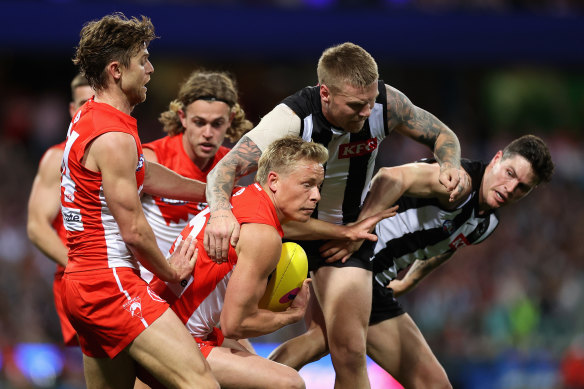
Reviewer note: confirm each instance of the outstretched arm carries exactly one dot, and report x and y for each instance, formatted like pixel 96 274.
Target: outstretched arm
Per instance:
pixel 418 271
pixel 44 205
pixel 423 127
pixel 241 317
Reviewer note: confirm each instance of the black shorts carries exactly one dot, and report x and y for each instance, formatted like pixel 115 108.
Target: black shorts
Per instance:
pixel 383 305
pixel 315 261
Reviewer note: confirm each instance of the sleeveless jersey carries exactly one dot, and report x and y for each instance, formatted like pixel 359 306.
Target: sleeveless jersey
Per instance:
pixel 168 217
pixel 93 236
pixel 351 162
pixel 422 229
pixel 198 300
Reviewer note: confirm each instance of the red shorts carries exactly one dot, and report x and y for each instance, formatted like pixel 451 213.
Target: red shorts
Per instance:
pixel 109 308
pixel 67 330
pixel 214 339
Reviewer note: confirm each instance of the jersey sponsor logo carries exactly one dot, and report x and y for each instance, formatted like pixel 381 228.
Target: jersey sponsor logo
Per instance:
pixel 134 306
pixel 173 201
pixel 140 162
pixel 458 242
pixel 72 219
pixel 356 149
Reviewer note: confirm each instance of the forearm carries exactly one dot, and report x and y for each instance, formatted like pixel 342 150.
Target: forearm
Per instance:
pixel 313 229
pixel 260 323
pixel 240 161
pixel 164 182
pixel 45 238
pixel 418 271
pixel 447 148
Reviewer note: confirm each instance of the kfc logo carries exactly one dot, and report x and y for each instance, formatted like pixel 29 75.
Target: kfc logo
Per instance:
pixel 459 241
pixel 356 149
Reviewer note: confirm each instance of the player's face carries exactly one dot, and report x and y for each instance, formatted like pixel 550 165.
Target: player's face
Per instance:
pixel 349 107
pixel 508 181
pixel 298 191
pixel 206 123
pixel 80 96
pixel 136 76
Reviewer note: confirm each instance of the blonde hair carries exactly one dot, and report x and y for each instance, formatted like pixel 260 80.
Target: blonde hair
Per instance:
pixel 346 63
pixel 282 156
pixel 212 86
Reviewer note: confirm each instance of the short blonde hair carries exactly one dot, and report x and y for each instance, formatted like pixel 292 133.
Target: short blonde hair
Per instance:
pixel 283 155
pixel 212 86
pixel 346 63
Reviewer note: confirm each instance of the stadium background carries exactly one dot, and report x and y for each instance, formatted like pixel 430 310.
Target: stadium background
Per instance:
pixel 508 313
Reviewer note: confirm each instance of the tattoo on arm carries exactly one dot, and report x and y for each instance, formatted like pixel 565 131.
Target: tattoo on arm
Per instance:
pixel 240 161
pixel 422 126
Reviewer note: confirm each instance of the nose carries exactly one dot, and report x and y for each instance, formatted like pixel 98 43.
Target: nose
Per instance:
pixel 366 111
pixel 149 67
pixel 315 195
pixel 511 187
pixel 207 131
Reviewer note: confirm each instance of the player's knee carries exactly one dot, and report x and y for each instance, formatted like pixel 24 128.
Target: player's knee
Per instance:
pixel 206 381
pixel 431 376
pixel 290 379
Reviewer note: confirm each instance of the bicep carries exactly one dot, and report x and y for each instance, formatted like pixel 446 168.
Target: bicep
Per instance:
pixel 45 200
pixel 278 123
pixel 255 262
pixel 116 159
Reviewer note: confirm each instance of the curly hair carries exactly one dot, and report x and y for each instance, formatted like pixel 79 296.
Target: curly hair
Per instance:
pixel 112 38
pixel 207 85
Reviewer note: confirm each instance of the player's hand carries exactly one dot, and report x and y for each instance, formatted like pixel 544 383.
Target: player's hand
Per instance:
pixel 361 230
pixel 300 302
pixel 397 286
pixel 221 231
pixel 339 250
pixel 183 259
pixel 455 180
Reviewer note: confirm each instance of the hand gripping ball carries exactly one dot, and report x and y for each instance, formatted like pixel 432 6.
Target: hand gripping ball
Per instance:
pixel 285 281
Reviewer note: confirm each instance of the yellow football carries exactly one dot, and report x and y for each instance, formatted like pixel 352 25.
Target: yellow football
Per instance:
pixel 285 281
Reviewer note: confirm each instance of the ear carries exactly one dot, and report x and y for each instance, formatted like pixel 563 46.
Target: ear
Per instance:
pixel 273 181
pixel 497 158
pixel 183 117
pixel 325 93
pixel 114 69
pixel 72 108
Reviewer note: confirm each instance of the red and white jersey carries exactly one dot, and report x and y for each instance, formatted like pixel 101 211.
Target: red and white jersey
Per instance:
pixel 93 236
pixel 198 300
pixel 168 217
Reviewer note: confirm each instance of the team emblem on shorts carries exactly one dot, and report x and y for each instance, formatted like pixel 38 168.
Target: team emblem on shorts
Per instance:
pixel 134 306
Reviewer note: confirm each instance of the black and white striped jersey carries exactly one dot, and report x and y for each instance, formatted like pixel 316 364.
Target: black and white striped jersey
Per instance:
pixel 422 229
pixel 351 156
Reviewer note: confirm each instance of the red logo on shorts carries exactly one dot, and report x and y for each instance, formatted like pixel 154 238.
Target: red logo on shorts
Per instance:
pixel 458 242
pixel 134 306
pixel 356 149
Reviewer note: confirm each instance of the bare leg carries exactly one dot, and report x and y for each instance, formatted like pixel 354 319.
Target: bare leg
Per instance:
pixel 235 367
pixel 169 353
pixel 308 347
pixel 106 373
pixel 397 345
pixel 344 295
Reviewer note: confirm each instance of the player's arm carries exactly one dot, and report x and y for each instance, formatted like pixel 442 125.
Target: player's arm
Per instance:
pixel 317 229
pixel 423 127
pixel 114 155
pixel 161 181
pixel 241 160
pixel 241 317
pixel 418 271
pixel 44 204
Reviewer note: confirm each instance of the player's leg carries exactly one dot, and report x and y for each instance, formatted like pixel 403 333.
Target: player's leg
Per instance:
pixel 169 353
pixel 398 346
pixel 307 347
pixel 106 373
pixel 235 367
pixel 344 294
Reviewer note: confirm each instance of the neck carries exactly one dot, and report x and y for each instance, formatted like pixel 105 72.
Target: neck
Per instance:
pixel 116 99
